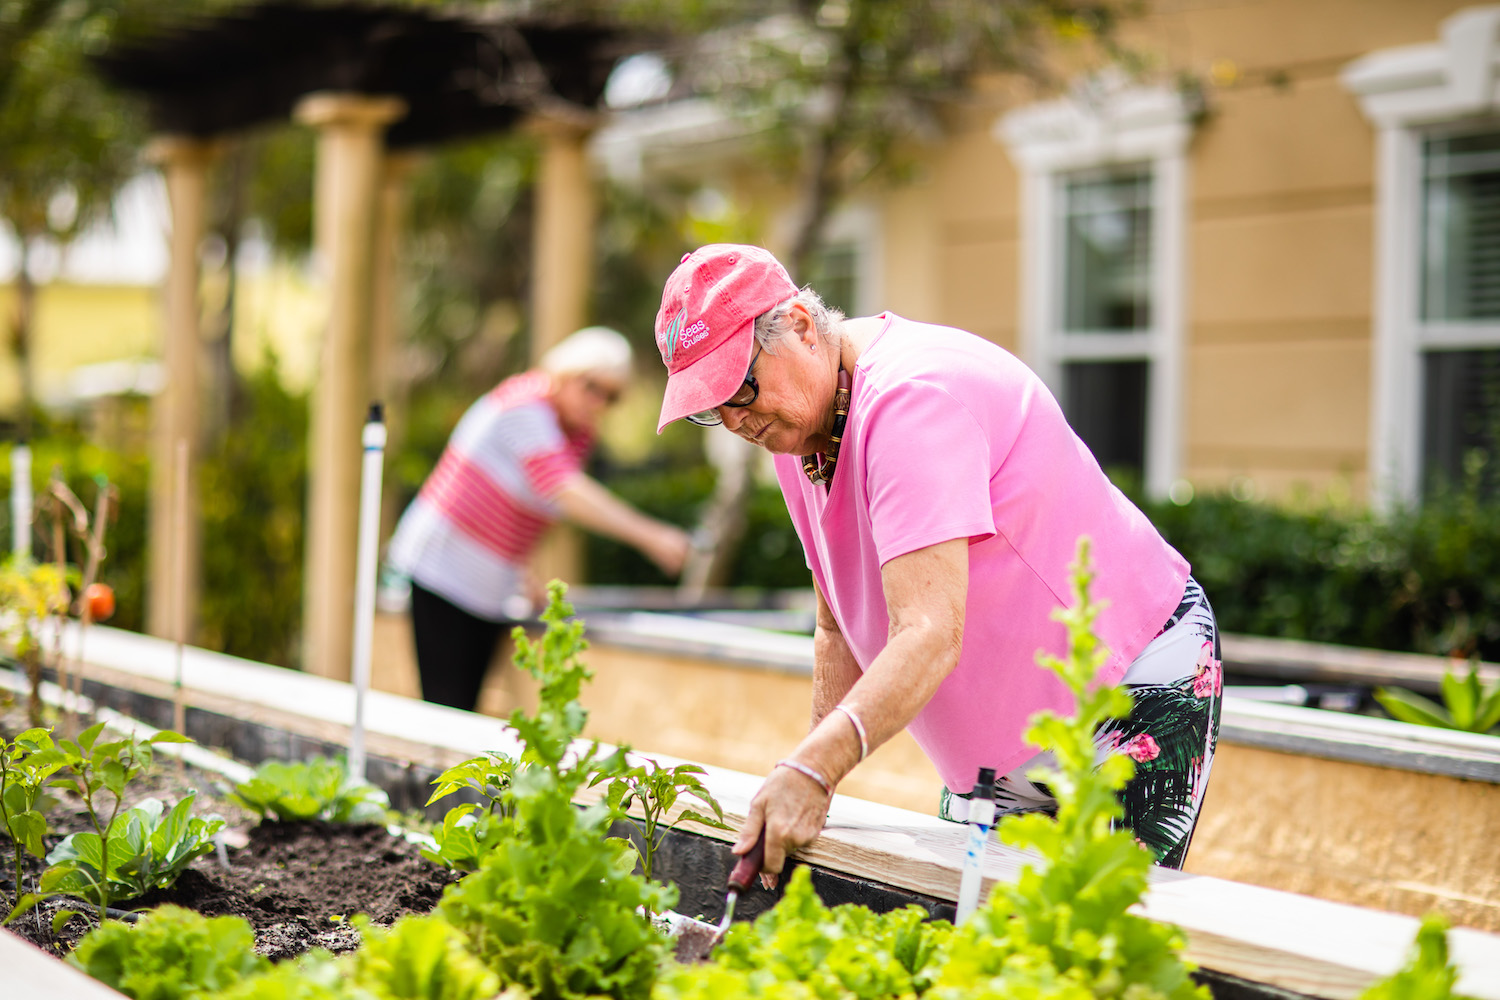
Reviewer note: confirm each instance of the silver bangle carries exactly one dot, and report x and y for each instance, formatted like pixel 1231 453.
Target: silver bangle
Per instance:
pixel 804 769
pixel 859 727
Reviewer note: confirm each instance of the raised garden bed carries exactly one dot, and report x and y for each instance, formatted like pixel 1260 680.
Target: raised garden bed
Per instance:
pixel 1252 939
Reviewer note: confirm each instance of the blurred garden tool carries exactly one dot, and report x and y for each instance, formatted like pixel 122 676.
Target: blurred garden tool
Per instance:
pixel 740 878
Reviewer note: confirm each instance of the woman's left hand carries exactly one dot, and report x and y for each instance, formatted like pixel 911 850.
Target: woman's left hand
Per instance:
pixel 791 807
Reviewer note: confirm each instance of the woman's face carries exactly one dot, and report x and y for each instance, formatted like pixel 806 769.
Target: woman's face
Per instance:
pixel 793 414
pixel 582 399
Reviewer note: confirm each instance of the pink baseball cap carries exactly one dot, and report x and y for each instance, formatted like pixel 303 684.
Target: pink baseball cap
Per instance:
pixel 705 327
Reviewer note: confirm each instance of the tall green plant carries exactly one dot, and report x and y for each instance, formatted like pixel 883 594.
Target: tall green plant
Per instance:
pixel 554 906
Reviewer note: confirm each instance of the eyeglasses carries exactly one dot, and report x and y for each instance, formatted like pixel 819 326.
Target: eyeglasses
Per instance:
pixel 748 392
pixel 607 394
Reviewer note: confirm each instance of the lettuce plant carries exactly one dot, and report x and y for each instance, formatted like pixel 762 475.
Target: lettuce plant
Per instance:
pixel 170 954
pixel 554 906
pixel 320 788
pixel 145 848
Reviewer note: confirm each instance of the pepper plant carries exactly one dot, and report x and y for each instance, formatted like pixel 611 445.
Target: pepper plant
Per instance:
pixel 98 771
pixel 655 790
pixel 26 765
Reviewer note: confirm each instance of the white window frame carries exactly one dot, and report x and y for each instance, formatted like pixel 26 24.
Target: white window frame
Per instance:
pixel 1114 126
pixel 1410 94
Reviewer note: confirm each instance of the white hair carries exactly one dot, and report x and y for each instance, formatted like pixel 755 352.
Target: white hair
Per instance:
pixel 776 322
pixel 594 349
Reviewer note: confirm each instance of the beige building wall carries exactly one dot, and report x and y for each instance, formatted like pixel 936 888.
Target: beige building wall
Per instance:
pixel 1277 282
pixel 78 325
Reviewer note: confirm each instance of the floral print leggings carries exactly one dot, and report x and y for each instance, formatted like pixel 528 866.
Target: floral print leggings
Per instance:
pixel 1171 732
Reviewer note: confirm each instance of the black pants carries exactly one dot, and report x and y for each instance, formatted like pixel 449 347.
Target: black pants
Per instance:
pixel 454 649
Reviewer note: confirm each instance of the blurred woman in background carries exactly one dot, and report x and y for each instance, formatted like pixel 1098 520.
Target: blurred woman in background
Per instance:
pixel 513 467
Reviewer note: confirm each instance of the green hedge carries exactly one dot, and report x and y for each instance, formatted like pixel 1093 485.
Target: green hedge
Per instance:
pixel 1424 580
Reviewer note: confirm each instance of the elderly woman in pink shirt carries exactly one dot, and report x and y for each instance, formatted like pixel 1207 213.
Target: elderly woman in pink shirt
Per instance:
pixel 939 494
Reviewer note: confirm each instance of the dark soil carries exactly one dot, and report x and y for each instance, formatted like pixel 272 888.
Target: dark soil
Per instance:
pixel 296 883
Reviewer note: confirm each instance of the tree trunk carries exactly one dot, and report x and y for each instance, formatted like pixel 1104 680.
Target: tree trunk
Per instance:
pixel 21 338
pixel 723 523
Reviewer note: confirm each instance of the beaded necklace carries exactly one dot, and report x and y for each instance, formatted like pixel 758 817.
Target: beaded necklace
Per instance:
pixel 822 472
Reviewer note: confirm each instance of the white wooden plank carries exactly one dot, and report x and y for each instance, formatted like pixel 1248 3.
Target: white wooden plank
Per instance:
pixel 32 974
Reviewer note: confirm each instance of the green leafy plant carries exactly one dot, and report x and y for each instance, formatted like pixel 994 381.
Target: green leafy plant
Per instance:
pixel 320 788
pixel 470 829
pixel 655 790
pixel 555 907
pixel 1066 918
pixel 802 948
pixel 98 771
pixel 419 958
pixel 26 764
pixel 1468 705
pixel 170 954
pixel 145 848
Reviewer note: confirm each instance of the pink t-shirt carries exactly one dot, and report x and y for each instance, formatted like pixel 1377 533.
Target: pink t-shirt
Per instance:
pixel 950 436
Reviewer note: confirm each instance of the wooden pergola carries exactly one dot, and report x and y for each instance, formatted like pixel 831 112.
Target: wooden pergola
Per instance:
pixel 376 83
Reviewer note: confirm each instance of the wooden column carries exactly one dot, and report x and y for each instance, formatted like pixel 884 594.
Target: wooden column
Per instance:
pixel 386 324
pixel 563 256
pixel 563 239
pixel 184 164
pixel 349 157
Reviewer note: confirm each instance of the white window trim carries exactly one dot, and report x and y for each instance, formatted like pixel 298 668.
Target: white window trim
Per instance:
pixel 1405 92
pixel 1118 126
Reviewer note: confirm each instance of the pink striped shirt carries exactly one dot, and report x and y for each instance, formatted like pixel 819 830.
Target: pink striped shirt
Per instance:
pixel 469 532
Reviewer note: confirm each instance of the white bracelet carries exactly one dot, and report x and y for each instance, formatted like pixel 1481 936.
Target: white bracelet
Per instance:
pixel 804 769
pixel 859 727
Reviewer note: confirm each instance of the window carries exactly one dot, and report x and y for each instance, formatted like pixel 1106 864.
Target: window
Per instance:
pixel 1460 295
pixel 1436 392
pixel 1106 309
pixel 1102 244
pixel 835 275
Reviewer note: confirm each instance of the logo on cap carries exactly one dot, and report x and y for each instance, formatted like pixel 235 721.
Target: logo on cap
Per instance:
pixel 674 336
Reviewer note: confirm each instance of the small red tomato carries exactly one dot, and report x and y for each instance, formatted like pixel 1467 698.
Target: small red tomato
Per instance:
pixel 100 598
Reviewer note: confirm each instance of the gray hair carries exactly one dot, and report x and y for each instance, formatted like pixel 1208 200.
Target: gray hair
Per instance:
pixel 776 322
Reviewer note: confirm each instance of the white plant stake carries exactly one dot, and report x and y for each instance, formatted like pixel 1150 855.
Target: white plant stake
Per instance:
pixel 179 582
pixel 981 818
pixel 364 582
pixel 20 501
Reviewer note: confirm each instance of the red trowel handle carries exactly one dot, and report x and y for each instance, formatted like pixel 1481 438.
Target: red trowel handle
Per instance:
pixel 749 864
